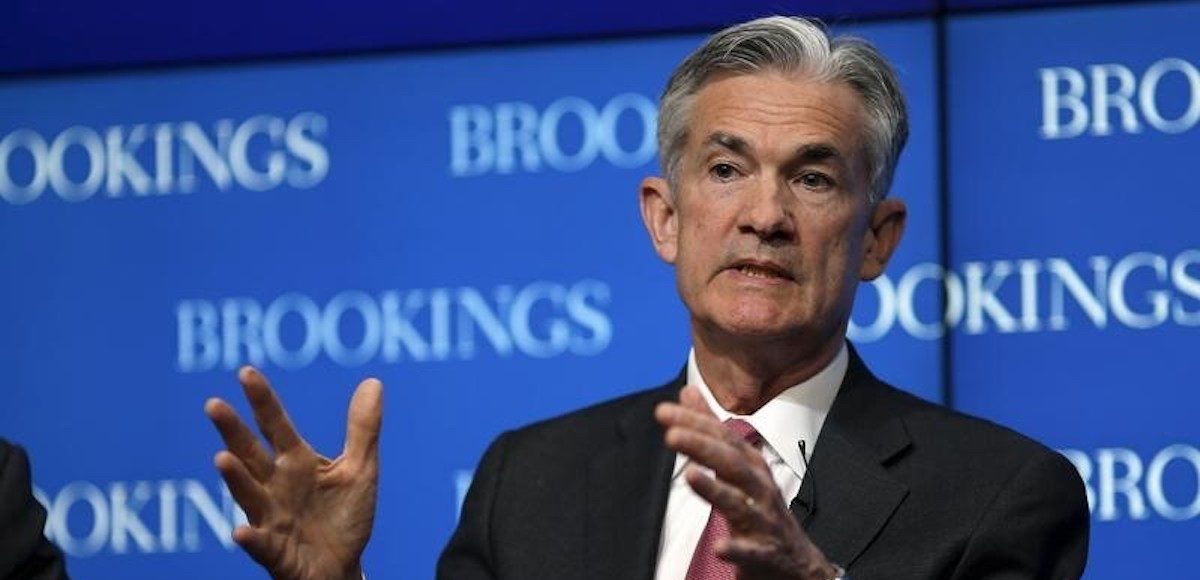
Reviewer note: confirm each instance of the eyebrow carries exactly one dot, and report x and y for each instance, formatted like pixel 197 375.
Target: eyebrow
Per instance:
pixel 819 152
pixel 731 142
pixel 809 153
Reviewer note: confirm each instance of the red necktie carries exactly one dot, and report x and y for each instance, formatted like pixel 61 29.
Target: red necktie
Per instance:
pixel 705 563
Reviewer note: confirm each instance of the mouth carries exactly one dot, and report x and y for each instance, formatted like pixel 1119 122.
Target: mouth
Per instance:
pixel 761 270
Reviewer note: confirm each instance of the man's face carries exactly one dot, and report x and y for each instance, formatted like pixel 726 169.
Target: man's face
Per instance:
pixel 769 226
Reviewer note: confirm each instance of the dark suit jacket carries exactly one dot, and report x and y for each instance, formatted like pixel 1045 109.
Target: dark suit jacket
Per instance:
pixel 25 553
pixel 897 488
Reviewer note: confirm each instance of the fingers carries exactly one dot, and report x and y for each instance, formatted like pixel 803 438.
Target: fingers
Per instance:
pixel 765 540
pixel 268 412
pixel 238 438
pixel 788 555
pixel 709 443
pixel 741 510
pixel 246 490
pixel 263 546
pixel 732 461
pixel 676 415
pixel 690 397
pixel 363 422
pixel 756 554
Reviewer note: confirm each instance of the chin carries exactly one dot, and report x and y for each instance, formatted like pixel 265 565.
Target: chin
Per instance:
pixel 758 324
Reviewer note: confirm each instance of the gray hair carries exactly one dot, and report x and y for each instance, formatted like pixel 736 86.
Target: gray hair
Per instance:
pixel 791 45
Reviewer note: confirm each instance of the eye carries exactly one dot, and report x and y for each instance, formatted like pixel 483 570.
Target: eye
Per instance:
pixel 723 171
pixel 814 180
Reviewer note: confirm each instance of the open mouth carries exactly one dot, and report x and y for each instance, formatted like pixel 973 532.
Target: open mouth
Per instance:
pixel 761 270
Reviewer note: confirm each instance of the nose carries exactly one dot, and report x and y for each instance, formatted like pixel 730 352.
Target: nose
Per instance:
pixel 766 213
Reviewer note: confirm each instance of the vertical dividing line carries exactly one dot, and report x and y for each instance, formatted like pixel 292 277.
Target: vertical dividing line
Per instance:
pixel 942 70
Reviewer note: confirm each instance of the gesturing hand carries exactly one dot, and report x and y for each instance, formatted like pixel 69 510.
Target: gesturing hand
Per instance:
pixel 310 517
pixel 765 541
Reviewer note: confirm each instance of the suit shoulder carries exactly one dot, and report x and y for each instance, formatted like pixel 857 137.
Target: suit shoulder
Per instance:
pixel 938 430
pixel 7 449
pixel 13 461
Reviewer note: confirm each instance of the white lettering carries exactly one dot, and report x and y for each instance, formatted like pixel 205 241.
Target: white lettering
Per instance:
pixel 368 311
pixel 199 347
pixel 122 165
pixel 590 316
pixel 514 136
pixel 516 129
pixel 1154 475
pixel 77 162
pixel 310 346
pixel 90 141
pixel 1120 99
pixel 471 148
pixel 1092 301
pixel 302 140
pixel 540 319
pixel 981 296
pixel 126 522
pixel 1108 473
pixel 59 509
pixel 1126 484
pixel 1054 102
pixel 1149 87
pixel 886 317
pixel 1188 286
pixel 398 329
pixel 117 523
pixel 38 151
pixel 1065 90
pixel 195 145
pixel 1159 300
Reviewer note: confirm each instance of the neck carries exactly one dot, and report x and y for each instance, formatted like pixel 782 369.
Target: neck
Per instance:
pixel 744 375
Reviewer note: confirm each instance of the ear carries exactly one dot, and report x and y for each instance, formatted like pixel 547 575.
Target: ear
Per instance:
pixel 659 217
pixel 882 236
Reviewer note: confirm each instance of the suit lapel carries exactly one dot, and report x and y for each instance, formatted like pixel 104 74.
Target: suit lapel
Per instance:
pixel 627 488
pixel 845 500
pixel 848 495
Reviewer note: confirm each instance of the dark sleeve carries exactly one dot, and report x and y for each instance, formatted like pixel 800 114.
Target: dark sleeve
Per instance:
pixel 468 555
pixel 25 552
pixel 1036 527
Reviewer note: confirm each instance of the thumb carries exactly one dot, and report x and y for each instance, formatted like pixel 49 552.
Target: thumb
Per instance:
pixel 363 421
pixel 260 545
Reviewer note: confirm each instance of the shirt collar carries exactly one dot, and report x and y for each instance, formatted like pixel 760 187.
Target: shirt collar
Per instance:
pixel 794 415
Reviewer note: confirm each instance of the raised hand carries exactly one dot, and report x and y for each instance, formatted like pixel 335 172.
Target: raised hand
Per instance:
pixel 765 541
pixel 310 516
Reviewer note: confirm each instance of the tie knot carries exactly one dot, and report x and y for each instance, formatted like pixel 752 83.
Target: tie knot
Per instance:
pixel 744 430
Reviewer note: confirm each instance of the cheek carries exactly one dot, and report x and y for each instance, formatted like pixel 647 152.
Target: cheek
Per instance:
pixel 690 264
pixel 836 262
pixel 699 241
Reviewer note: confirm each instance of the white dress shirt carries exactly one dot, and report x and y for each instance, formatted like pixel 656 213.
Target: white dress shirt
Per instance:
pixel 795 415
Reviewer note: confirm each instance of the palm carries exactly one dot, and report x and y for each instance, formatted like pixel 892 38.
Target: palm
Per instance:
pixel 310 517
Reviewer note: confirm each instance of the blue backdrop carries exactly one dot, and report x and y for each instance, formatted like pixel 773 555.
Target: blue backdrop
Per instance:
pixel 1085 141
pixel 463 225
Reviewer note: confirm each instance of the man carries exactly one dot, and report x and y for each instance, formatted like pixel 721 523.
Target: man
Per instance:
pixel 25 553
pixel 783 457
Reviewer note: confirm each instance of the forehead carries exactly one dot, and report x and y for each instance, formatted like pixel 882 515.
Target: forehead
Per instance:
pixel 775 109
